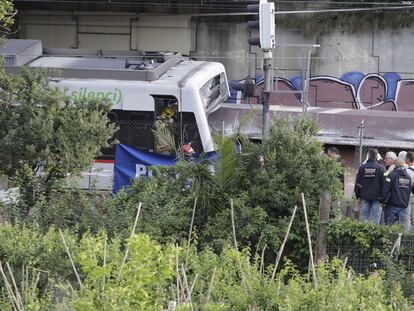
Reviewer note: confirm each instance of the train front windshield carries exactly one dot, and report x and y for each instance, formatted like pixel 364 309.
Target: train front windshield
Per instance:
pixel 214 91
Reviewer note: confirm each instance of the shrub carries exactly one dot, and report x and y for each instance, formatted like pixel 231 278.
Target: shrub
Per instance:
pixel 110 284
pixel 264 193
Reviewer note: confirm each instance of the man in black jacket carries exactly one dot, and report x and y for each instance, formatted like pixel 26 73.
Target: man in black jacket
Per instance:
pixel 368 187
pixel 396 195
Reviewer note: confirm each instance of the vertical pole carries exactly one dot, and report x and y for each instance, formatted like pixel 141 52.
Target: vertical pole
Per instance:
pixel 361 138
pixel 267 67
pixel 307 82
pixel 324 210
pixel 314 280
pixel 222 134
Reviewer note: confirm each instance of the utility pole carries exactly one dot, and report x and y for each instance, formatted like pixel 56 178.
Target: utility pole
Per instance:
pixel 267 41
pixel 361 139
pixel 267 68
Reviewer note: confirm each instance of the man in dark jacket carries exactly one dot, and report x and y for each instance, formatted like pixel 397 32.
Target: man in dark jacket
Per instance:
pixel 368 187
pixel 396 195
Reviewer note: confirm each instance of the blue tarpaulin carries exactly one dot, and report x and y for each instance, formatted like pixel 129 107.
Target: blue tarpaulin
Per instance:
pixel 133 163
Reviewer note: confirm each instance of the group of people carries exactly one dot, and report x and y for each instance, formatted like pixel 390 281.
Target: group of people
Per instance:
pixel 387 185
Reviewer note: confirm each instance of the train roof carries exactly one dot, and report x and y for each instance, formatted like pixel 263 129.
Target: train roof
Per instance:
pixel 98 64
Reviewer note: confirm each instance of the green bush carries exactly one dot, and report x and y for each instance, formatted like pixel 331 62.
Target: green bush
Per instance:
pixel 166 207
pixel 138 284
pixel 24 246
pixel 45 136
pixel 147 279
pixel 374 244
pixel 264 193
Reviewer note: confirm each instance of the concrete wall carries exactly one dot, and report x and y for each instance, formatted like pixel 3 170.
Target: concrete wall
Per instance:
pixel 224 41
pixel 107 31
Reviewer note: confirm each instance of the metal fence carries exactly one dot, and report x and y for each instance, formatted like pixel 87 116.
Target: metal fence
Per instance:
pixel 399 137
pixel 140 134
pixel 365 260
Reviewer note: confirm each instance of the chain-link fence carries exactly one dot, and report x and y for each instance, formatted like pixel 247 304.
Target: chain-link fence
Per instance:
pixel 397 137
pixel 365 260
pixel 141 134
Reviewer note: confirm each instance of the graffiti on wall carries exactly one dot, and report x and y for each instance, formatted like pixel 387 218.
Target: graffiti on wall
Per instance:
pixel 353 90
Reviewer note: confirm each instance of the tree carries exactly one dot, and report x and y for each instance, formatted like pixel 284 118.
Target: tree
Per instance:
pixel 7 14
pixel 291 162
pixel 265 182
pixel 45 136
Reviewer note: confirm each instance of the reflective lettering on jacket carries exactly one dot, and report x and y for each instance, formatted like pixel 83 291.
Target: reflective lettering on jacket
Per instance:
pixel 369 172
pixel 404 182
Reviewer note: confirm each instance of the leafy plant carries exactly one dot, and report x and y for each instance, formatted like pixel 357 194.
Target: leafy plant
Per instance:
pixel 7 13
pixel 264 182
pixel 44 135
pixel 111 283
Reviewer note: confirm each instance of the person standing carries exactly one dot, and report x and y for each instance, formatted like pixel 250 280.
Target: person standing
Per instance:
pixel 409 160
pixel 402 154
pixel 368 187
pixel 389 160
pixel 396 194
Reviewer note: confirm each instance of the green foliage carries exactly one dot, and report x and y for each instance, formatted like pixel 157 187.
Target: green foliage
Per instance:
pixel 71 208
pixel 338 287
pixel 139 284
pixel 264 193
pixel 166 208
pixel 23 246
pixel 275 174
pixel 7 13
pixel 45 136
pixel 364 236
pixel 215 183
pixel 367 240
pixel 147 278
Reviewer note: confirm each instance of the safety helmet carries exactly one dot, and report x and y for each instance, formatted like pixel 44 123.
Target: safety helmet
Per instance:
pixel 168 112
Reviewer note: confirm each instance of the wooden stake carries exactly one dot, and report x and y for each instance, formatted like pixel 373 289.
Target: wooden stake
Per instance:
pixel 132 234
pixel 184 296
pixel 258 244
pixel 235 244
pixel 14 302
pixel 18 297
pixel 187 288
pixel 279 254
pixel 262 261
pixel 194 283
pixel 189 234
pixel 324 211
pixel 104 259
pixel 178 274
pixel 314 280
pixel 70 258
pixel 71 287
pixel 210 286
pixel 233 225
pixel 22 285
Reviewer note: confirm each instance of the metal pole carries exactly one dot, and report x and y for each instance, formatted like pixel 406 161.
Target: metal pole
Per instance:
pixel 307 83
pixel 222 134
pixel 267 67
pixel 361 138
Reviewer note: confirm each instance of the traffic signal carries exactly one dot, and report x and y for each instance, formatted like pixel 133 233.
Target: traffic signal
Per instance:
pixel 265 24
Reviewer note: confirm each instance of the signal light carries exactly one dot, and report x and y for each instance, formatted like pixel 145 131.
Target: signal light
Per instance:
pixel 265 24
